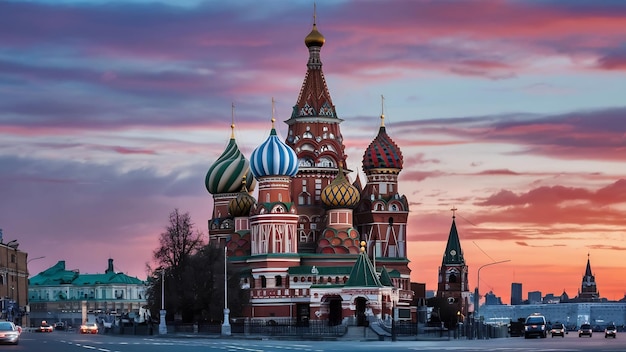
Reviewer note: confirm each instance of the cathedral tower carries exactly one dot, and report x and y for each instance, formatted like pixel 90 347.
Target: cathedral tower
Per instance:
pixel 223 181
pixel 315 136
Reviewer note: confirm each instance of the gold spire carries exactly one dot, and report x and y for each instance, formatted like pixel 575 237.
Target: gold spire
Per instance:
pixel 315 38
pixel 232 121
pixel 382 111
pixel 273 119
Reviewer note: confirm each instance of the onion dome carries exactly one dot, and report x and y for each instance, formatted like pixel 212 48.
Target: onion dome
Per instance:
pixel 274 158
pixel 240 206
pixel 340 193
pixel 225 175
pixel 315 38
pixel 382 153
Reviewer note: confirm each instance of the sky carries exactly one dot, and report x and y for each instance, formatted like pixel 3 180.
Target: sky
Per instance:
pixel 512 112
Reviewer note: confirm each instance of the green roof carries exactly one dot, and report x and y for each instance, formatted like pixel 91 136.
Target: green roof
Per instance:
pixel 58 275
pixel 363 273
pixel 385 279
pixel 322 270
pixel 453 254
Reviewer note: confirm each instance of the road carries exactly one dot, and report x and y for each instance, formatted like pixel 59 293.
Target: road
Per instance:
pixel 59 341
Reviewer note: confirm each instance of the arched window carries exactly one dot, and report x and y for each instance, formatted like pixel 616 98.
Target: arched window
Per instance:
pixel 263 281
pixel 452 278
pixel 279 280
pixel 304 198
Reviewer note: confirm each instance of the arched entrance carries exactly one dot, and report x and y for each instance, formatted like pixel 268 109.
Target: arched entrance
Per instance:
pixel 334 310
pixel 360 303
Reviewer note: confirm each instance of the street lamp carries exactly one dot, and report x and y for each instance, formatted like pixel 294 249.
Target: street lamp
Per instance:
pixel 27 303
pixel 226 325
pixel 163 312
pixel 31 259
pixel 477 293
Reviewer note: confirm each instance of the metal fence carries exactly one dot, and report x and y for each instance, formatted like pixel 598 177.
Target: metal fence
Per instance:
pixel 316 329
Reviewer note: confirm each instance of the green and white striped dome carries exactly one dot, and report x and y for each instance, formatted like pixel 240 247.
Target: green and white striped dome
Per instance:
pixel 225 175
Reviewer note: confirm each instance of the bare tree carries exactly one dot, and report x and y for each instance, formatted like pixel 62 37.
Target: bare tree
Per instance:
pixel 178 242
pixel 177 245
pixel 194 275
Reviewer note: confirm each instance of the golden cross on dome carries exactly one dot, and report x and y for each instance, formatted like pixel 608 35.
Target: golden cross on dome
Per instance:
pixel 314 13
pixel 273 119
pixel 454 209
pixel 232 121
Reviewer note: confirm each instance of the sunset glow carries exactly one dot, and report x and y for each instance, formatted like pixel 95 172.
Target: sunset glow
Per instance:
pixel 514 112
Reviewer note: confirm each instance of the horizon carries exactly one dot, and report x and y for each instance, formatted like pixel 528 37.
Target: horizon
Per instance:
pixel 113 111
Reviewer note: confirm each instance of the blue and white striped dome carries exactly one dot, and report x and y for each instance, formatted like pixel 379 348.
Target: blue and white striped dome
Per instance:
pixel 273 158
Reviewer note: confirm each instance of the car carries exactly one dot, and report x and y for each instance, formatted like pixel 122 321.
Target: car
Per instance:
pixel 45 327
pixel 59 325
pixel 557 330
pixel 535 325
pixel 89 328
pixel 610 331
pixel 9 333
pixel 585 330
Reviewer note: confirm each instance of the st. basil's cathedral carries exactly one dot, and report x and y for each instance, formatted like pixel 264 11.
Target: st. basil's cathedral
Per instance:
pixel 314 246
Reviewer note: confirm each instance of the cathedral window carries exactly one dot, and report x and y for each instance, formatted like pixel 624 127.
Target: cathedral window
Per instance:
pixel 279 280
pixel 307 134
pixel 304 198
pixel 306 162
pixel 263 281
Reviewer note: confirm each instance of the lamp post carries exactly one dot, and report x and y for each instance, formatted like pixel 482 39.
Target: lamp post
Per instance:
pixel 163 312
pixel 226 325
pixel 27 307
pixel 394 315
pixel 31 259
pixel 477 293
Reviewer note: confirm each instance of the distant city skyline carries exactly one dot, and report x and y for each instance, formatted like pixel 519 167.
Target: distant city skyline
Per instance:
pixel 111 113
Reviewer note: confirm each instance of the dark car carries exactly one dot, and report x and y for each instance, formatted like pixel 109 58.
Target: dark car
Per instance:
pixel 59 325
pixel 585 330
pixel 557 330
pixel 9 333
pixel 535 325
pixel 610 331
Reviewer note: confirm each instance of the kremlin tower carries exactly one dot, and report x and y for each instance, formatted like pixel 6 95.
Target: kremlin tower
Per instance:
pixel 453 274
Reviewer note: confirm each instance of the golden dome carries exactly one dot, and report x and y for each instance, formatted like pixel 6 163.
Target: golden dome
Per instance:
pixel 240 206
pixel 340 193
pixel 315 38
